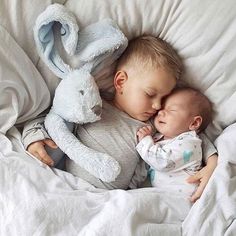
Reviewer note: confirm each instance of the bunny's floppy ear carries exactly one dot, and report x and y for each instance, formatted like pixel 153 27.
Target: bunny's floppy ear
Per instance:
pixel 44 36
pixel 96 46
pixel 99 45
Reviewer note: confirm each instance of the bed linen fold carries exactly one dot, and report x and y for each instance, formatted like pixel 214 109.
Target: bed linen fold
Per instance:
pixel 37 200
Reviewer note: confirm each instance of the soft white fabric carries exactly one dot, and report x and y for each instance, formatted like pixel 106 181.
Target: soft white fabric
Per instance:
pixel 38 201
pixel 217 205
pixel 18 18
pixel 35 200
pixel 24 93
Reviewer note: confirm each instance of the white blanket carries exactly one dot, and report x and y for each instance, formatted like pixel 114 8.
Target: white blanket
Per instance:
pixel 37 200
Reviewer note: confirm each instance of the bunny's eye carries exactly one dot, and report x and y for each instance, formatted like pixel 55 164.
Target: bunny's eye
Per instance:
pixel 82 92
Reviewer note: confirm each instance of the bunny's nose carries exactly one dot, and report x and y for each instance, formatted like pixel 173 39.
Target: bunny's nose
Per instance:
pixel 97 110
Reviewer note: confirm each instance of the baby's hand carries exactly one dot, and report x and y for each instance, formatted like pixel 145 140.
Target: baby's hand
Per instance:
pixel 143 132
pixel 37 149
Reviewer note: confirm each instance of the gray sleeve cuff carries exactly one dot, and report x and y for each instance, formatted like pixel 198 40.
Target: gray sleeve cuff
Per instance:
pixel 208 149
pixel 34 131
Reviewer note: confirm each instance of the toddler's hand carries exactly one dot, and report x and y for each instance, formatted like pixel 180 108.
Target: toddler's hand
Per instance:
pixel 38 150
pixel 143 132
pixel 202 177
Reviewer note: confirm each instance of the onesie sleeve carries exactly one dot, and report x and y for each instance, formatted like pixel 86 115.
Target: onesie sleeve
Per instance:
pixel 179 153
pixel 34 130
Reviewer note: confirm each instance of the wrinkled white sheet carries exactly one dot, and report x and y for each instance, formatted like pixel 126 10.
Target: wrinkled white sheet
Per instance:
pixel 36 200
pixel 24 94
pixel 215 212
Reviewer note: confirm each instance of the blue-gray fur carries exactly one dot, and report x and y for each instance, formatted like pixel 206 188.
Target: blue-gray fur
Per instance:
pixel 77 97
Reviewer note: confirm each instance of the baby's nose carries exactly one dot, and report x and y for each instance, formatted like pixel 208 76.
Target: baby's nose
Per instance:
pixel 161 112
pixel 97 110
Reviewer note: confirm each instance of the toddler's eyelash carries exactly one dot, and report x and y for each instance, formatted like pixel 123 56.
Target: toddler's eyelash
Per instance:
pixel 150 95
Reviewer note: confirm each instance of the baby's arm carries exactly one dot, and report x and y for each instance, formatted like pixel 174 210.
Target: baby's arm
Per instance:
pixel 179 153
pixel 35 138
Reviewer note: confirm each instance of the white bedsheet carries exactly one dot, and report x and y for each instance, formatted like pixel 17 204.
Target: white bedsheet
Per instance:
pixel 36 200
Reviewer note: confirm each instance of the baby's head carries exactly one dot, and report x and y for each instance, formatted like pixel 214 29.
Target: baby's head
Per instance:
pixel 185 109
pixel 146 72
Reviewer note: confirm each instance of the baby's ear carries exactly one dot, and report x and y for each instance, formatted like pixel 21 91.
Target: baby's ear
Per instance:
pixel 119 80
pixel 196 123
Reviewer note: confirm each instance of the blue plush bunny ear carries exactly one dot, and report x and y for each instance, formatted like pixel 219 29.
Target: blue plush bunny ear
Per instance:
pixel 44 35
pixel 100 44
pixel 96 46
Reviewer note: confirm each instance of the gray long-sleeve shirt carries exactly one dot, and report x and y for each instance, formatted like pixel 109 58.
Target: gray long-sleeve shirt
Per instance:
pixel 114 134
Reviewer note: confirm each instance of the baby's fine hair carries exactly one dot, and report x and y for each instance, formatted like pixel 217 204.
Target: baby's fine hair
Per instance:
pixel 149 50
pixel 199 103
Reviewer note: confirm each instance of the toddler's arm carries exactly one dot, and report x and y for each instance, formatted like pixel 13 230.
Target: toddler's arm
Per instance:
pixel 38 150
pixel 208 148
pixel 140 175
pixel 202 177
pixel 35 137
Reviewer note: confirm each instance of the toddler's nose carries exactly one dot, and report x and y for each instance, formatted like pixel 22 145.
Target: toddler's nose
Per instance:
pixel 156 105
pixel 97 110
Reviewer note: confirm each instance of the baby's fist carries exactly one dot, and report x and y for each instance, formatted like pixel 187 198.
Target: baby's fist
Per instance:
pixel 143 132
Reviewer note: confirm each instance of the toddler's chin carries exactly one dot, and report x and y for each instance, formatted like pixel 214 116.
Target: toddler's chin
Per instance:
pixel 144 119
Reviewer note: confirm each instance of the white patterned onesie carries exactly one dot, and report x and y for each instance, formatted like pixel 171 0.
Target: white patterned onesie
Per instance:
pixel 172 161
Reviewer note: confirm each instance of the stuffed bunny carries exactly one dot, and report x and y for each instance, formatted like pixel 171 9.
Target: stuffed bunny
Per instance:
pixel 77 97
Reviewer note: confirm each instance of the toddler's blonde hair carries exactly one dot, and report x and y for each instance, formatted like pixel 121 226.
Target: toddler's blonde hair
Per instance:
pixel 149 50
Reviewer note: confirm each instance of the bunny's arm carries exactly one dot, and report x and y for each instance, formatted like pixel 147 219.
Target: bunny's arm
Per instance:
pixel 99 164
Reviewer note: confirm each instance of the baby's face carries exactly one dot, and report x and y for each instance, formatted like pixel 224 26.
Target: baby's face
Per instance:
pixel 143 91
pixel 176 115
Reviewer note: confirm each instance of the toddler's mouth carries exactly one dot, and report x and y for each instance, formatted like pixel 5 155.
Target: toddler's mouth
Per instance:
pixel 150 113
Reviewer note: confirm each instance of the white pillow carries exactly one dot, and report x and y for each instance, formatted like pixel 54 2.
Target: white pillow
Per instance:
pixel 18 18
pixel 203 33
pixel 23 92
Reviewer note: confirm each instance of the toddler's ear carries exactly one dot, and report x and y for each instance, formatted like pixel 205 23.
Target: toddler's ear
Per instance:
pixel 196 123
pixel 119 80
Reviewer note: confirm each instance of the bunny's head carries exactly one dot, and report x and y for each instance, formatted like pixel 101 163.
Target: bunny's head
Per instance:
pixel 77 98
